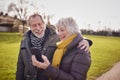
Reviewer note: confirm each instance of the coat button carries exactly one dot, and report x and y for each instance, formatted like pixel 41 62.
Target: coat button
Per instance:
pixel 28 75
pixel 51 38
pixel 44 48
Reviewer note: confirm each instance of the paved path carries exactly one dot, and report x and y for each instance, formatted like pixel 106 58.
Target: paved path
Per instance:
pixel 113 74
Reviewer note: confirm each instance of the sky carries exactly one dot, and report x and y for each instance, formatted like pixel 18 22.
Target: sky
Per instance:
pixel 89 14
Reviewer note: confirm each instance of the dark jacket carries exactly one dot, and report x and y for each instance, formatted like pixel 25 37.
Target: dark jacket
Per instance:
pixel 74 65
pixel 25 69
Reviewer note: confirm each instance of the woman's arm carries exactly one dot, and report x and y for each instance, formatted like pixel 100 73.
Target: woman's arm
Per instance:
pixel 78 70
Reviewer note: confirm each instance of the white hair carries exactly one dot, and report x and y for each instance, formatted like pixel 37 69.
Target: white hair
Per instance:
pixel 70 24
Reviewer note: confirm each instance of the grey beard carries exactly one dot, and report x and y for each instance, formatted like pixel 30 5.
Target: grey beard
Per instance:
pixel 39 36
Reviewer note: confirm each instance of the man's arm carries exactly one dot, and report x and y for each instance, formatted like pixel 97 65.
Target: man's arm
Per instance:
pixel 85 44
pixel 20 67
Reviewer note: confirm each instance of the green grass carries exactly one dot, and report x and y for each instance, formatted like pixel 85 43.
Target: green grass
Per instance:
pixel 105 52
pixel 9 48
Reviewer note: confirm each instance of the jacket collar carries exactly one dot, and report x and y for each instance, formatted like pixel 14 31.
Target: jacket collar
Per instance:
pixel 74 43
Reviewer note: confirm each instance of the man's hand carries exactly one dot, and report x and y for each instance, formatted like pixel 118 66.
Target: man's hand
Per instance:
pixel 84 45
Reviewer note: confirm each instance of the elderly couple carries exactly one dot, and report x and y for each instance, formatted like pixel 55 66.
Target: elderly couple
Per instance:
pixel 65 55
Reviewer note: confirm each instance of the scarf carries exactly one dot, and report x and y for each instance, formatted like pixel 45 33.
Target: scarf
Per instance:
pixel 37 42
pixel 61 48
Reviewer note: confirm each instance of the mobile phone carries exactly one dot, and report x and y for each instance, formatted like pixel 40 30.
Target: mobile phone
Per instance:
pixel 35 51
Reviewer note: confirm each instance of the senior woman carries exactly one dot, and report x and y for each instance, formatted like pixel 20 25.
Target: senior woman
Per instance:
pixel 69 62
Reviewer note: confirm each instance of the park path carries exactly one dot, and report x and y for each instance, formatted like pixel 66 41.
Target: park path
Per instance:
pixel 112 74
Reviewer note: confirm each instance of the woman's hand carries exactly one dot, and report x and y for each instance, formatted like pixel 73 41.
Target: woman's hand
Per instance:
pixel 41 65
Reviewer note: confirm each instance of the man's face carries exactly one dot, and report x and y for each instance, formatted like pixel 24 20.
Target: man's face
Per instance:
pixel 37 26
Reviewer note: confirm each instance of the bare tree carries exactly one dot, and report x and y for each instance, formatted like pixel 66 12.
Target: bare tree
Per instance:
pixel 1 13
pixel 20 10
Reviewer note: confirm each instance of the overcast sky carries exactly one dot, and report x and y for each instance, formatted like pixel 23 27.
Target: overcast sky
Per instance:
pixel 104 13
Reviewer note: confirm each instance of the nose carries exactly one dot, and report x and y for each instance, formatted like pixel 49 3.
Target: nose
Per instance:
pixel 37 26
pixel 59 33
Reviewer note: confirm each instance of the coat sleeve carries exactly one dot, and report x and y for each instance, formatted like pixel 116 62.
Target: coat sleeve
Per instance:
pixel 78 70
pixel 20 67
pixel 89 41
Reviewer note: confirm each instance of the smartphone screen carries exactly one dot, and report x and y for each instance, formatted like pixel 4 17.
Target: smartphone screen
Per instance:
pixel 35 51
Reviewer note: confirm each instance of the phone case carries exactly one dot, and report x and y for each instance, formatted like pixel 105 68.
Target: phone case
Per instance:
pixel 35 51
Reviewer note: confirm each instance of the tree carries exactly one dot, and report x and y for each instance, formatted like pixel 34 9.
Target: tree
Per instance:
pixel 1 13
pixel 20 10
pixel 6 14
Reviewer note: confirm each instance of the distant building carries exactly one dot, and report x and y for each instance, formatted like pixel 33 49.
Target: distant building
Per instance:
pixel 9 24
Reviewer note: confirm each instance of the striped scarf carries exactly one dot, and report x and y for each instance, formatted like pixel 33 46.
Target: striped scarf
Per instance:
pixel 37 42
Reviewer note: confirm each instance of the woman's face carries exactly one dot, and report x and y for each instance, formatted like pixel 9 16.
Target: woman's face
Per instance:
pixel 63 33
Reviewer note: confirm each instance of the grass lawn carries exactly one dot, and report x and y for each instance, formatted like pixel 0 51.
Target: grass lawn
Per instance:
pixel 9 48
pixel 105 52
